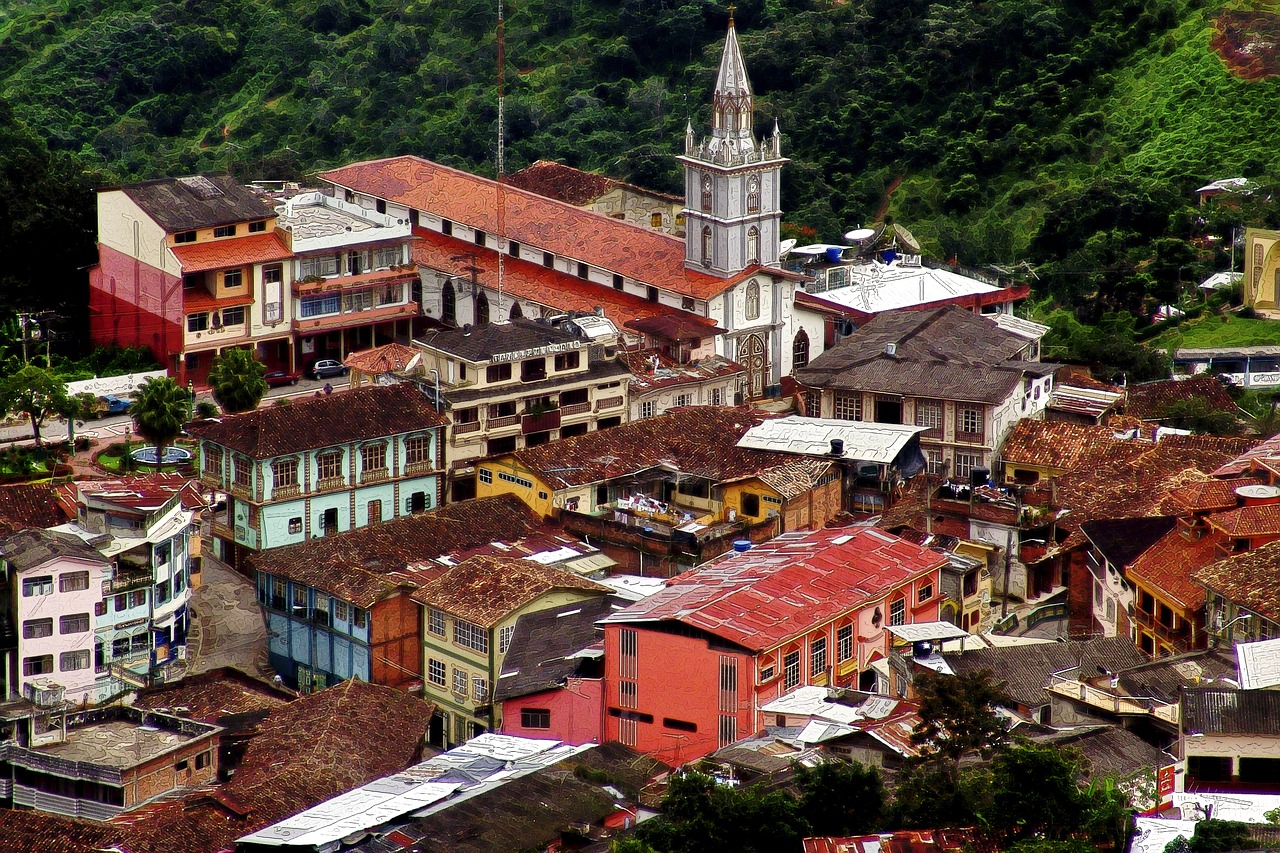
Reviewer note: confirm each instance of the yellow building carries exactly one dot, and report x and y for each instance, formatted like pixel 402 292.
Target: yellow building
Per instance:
pixel 469 616
pixel 1261 268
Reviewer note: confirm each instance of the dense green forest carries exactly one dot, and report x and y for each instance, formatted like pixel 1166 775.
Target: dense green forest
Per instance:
pixel 1065 133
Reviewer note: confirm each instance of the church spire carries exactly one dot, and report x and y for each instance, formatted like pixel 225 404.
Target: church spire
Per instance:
pixel 731 106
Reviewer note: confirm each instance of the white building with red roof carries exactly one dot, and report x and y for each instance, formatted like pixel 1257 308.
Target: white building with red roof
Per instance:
pixel 810 608
pixel 556 257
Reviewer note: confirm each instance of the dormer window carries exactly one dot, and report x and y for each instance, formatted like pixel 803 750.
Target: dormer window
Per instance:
pixel 258 227
pixel 225 231
pixel 184 237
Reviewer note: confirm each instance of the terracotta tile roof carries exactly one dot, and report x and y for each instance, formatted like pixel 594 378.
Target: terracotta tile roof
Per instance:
pixel 1166 567
pixel 535 283
pixel 1247 521
pixel 1050 444
pixel 697 440
pixel 309 423
pixel 676 327
pixel 31 831
pixel 389 358
pixel 1251 579
pixel 786 586
pixel 485 589
pixel 1129 479
pixel 217 693
pixel 183 204
pixel 794 478
pixel 233 252
pixel 365 565
pixel 29 505
pixel 1209 495
pixel 561 182
pixel 571 232
pixel 1264 451
pixel 145 493
pixel 1150 400
pixel 670 373
pixel 1079 377
pixel 946 353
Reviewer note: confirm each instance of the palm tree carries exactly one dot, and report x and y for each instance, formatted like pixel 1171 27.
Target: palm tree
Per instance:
pixel 237 380
pixel 159 410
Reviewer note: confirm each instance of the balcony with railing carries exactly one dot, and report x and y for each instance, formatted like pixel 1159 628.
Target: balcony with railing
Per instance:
pixel 1178 633
pixel 608 403
pixel 1071 684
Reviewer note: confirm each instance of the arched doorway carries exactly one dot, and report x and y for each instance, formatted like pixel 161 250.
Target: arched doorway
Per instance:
pixel 752 356
pixel 448 304
pixel 516 313
pixel 482 310
pixel 800 349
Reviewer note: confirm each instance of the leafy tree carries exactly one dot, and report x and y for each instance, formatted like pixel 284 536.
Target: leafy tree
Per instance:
pixel 38 394
pixel 701 816
pixel 930 794
pixel 238 380
pixel 1036 791
pixel 1214 836
pixel 159 410
pixel 1199 415
pixel 840 798
pixel 957 715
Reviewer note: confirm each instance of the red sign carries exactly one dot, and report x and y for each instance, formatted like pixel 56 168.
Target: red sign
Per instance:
pixel 1164 782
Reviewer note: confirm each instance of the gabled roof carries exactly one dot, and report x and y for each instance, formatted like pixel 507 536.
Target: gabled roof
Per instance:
pixel 1257 520
pixel 198 201
pixel 530 219
pixel 1151 400
pixel 388 358
pixel 544 647
pixel 29 505
pixel 1167 565
pixel 863 441
pixel 1210 495
pixel 947 353
pixel 573 186
pixel 310 423
pixel 1122 540
pixel 695 440
pixel 145 494
pixel 670 374
pixel 1251 580
pixel 1213 711
pixel 235 252
pixel 27 549
pixel 482 343
pixel 1052 444
pixel 209 696
pixel 1262 452
pixel 363 566
pixel 1027 670
pixel 784 587
pixel 535 283
pixel 485 590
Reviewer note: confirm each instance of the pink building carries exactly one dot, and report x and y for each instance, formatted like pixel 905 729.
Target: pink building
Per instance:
pixel 55 591
pixel 688 669
pixel 552 679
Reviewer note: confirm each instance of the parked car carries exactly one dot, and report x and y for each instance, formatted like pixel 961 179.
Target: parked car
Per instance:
pixel 277 378
pixel 327 367
pixel 110 404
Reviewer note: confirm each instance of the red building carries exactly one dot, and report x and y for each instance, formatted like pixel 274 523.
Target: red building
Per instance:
pixel 742 630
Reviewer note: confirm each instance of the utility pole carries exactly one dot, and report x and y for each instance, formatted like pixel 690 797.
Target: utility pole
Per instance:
pixel 502 201
pixel 24 319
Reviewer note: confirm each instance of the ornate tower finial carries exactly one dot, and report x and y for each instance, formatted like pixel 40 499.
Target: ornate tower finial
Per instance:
pixel 732 9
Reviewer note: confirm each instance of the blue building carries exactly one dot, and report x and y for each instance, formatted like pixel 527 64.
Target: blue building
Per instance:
pixel 321 466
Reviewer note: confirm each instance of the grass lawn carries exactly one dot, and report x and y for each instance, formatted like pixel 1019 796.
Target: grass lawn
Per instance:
pixel 1214 330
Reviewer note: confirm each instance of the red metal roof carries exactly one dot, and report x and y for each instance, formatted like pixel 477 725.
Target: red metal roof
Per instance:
pixel 535 283
pixel 787 586
pixel 241 251
pixel 571 232
pixel 141 493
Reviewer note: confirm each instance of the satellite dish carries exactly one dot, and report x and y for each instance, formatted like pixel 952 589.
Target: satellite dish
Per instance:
pixel 786 246
pixel 860 234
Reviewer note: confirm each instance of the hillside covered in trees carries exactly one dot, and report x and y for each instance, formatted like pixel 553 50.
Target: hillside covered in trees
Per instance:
pixel 1067 133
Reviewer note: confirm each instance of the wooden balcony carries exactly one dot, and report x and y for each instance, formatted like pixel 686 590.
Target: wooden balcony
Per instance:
pixel 1162 631
pixel 329 484
pixel 574 409
pixel 608 403
pixel 540 422
pixel 286 492
pixel 496 423
pixel 375 475
pixel 463 429
pixel 417 469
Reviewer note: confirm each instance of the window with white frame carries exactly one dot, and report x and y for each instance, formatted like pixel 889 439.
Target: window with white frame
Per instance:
pixel 417 449
pixel 925 592
pixel 966 462
pixel 385 257
pixel 486 476
pixel 38 665
pixel 844 643
pixel 471 636
pixel 198 322
pixel 284 473
pixel 791 670
pixel 717 397
pixel 436 621
pixel 818 656
pixel 933 459
pixel 898 612
pixel 233 316
pixel 329 465
pixel 504 638
pixel 969 420
pixel 648 408
pixel 459 681
pixel 929 414
pixel 436 672
pixel 373 457
pixel 479 689
pixel 73 581
pixel 847 407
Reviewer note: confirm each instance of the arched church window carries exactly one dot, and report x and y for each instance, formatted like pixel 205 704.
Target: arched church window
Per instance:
pixel 800 350
pixel 753 245
pixel 753 301
pixel 753 194
pixel 706 247
pixel 706 193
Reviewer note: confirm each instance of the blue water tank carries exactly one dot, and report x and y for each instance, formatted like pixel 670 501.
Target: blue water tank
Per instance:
pixel 834 253
pixel 741 545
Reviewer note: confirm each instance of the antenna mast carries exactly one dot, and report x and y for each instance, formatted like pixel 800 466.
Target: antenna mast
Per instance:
pixel 502 231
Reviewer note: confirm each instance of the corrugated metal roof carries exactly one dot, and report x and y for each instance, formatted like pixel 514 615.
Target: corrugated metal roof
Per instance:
pixel 864 442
